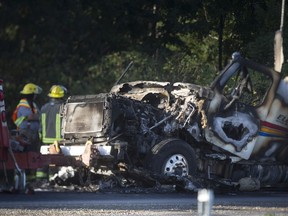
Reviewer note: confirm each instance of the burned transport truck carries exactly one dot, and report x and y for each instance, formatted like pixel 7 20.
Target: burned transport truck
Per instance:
pixel 234 131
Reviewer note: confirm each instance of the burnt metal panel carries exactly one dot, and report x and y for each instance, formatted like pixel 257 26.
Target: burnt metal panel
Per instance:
pixel 85 117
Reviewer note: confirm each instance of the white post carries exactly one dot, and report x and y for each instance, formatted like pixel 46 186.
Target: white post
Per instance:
pixel 205 202
pixel 278 43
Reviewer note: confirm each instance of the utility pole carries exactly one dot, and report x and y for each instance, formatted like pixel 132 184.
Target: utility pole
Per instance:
pixel 278 43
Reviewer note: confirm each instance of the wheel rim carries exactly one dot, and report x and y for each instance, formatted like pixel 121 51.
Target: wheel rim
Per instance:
pixel 176 165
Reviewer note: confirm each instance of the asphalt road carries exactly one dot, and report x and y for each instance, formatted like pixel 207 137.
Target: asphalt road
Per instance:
pixel 110 203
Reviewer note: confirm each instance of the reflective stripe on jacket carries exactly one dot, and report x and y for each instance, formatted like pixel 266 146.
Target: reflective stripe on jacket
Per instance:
pixel 51 122
pixel 20 118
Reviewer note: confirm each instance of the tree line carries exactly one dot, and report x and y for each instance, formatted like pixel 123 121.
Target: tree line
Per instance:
pixel 85 45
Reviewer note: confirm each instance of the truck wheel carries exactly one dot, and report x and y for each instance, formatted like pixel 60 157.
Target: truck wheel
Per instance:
pixel 172 157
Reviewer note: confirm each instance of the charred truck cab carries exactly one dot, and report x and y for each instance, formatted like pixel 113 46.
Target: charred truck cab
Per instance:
pixel 232 131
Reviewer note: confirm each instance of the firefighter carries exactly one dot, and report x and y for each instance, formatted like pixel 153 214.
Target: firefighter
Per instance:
pixel 50 115
pixel 26 116
pixel 50 130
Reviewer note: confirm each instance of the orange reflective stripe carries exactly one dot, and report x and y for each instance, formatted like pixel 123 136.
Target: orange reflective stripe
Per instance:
pixel 22 103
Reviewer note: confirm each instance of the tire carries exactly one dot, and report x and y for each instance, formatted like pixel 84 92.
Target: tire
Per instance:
pixel 172 157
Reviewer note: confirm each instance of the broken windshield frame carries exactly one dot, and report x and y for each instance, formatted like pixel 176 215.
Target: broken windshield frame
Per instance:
pixel 255 84
pixel 229 73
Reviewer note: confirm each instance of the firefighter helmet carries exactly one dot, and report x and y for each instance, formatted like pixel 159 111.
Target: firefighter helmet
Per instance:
pixel 56 91
pixel 31 88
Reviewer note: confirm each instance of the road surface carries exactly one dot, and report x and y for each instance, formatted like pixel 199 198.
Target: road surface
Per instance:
pixel 116 204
